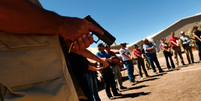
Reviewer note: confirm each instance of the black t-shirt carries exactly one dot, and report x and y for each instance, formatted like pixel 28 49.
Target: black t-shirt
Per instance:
pixel 78 63
pixel 198 33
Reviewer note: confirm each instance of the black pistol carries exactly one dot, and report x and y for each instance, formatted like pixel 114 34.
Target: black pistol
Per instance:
pixel 107 37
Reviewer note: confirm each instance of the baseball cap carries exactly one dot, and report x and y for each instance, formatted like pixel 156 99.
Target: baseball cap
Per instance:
pixel 136 45
pixel 123 44
pixel 195 27
pixel 100 45
pixel 163 39
pixel 182 32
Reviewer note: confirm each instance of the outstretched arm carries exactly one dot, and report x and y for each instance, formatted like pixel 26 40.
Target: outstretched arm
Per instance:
pixel 196 36
pixel 86 53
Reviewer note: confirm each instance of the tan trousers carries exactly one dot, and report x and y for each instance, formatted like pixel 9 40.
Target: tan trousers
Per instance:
pixel 177 50
pixel 33 68
pixel 147 63
pixel 188 50
pixel 117 76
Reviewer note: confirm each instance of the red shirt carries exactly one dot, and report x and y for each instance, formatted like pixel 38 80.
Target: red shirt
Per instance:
pixel 113 54
pixel 138 51
pixel 174 40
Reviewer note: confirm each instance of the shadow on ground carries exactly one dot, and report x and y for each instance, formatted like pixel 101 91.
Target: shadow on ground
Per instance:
pixel 138 87
pixel 124 78
pixel 132 95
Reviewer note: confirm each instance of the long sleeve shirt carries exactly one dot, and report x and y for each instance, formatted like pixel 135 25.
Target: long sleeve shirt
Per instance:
pixel 185 39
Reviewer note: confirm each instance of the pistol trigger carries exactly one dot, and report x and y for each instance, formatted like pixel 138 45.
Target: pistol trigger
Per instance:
pixel 96 41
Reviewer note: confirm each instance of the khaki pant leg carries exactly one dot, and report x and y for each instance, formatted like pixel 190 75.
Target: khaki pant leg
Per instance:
pixel 175 56
pixel 119 76
pixel 180 54
pixel 191 53
pixel 147 63
pixel 187 51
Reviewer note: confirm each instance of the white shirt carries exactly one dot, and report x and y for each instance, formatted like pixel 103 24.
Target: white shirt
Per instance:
pixel 185 39
pixel 124 57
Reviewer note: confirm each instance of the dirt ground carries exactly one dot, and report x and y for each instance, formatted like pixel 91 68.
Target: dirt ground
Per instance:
pixel 181 84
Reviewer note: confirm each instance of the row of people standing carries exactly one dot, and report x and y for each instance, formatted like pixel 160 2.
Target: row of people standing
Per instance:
pixel 127 60
pixel 148 52
pixel 185 41
pixel 174 41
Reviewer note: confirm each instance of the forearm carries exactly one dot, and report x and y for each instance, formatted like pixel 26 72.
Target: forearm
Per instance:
pixel 92 68
pixel 188 40
pixel 127 55
pixel 196 36
pixel 164 49
pixel 86 53
pixel 115 60
pixel 149 49
pixel 174 43
pixel 137 55
pixel 182 42
pixel 27 18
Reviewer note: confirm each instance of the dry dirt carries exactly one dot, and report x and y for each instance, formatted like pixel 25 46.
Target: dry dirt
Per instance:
pixel 182 84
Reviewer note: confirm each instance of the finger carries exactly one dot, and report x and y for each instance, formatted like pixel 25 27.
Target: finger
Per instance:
pixel 81 44
pixel 94 28
pixel 75 47
pixel 85 40
pixel 91 40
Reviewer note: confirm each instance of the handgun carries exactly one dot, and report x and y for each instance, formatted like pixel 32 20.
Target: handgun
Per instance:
pixel 107 37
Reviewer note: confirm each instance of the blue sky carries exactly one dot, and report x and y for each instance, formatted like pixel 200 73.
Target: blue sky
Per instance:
pixel 127 20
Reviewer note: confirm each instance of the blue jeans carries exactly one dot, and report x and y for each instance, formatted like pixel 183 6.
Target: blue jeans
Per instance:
pixel 198 45
pixel 91 78
pixel 168 55
pixel 152 58
pixel 130 69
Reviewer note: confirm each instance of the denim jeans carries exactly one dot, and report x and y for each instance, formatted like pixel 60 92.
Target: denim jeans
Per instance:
pixel 130 69
pixel 152 58
pixel 198 45
pixel 169 55
pixel 91 78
